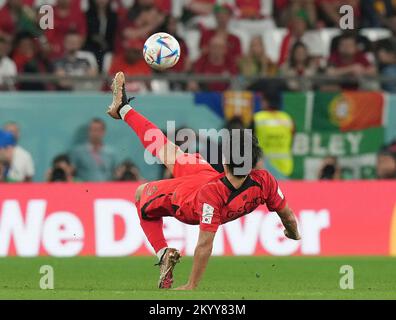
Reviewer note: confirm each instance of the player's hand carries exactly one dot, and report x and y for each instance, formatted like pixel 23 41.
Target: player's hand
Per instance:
pixel 185 287
pixel 291 235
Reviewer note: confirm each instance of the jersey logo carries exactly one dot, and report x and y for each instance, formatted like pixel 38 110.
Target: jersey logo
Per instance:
pixel 207 213
pixel 280 193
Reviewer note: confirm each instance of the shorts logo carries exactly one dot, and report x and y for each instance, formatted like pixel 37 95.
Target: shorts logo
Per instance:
pixel 280 193
pixel 207 213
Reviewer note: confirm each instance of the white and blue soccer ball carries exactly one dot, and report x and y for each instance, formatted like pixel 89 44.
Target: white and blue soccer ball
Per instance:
pixel 161 51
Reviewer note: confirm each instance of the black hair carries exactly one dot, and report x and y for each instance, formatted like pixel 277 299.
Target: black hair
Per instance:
pixel 293 50
pixel 234 123
pixel 61 158
pixel 241 152
pixel 347 36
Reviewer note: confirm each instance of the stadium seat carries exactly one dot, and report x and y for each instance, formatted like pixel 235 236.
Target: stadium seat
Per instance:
pixel 326 35
pixel 375 34
pixel 90 57
pixel 108 57
pixel 272 39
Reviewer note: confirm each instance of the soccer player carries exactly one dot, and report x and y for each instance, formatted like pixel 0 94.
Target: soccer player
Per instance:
pixel 197 194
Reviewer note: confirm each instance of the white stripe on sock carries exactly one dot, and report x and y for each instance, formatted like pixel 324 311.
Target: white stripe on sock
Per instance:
pixel 160 253
pixel 124 110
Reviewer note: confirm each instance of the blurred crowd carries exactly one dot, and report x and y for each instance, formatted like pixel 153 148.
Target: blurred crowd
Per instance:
pixel 95 160
pixel 93 37
pixel 90 161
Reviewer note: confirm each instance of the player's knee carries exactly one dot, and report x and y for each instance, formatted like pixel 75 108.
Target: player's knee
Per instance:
pixel 139 191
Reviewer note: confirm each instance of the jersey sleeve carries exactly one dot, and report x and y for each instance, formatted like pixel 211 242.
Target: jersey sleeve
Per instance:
pixel 209 209
pixel 275 199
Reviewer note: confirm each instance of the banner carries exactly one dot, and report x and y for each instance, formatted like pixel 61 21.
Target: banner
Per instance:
pixel 63 220
pixel 348 125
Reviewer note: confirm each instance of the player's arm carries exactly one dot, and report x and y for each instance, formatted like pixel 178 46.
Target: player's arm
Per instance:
pixel 276 202
pixel 289 221
pixel 203 250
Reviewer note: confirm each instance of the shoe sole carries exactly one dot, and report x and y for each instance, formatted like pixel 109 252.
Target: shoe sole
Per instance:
pixel 173 260
pixel 116 87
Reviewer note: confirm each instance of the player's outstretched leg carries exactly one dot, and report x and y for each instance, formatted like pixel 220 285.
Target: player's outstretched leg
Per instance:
pixel 149 135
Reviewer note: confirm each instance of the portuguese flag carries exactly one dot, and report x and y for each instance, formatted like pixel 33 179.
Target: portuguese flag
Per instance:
pixel 348 111
pixel 347 125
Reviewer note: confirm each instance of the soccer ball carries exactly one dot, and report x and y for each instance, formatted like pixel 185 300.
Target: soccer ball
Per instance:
pixel 161 51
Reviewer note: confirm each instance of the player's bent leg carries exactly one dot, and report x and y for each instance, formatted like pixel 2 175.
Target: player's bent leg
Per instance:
pixel 152 225
pixel 139 191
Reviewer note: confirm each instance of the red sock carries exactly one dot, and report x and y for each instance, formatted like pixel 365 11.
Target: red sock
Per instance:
pixel 150 136
pixel 153 231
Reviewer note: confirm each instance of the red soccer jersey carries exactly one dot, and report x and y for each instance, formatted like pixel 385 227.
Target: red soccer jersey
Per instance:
pixel 200 195
pixel 218 202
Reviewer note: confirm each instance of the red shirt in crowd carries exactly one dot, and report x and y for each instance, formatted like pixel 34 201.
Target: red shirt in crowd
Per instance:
pixel 249 8
pixel 73 22
pixel 205 66
pixel 233 43
pixel 336 60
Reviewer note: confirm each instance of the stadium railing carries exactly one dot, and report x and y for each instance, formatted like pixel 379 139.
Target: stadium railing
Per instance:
pixel 236 82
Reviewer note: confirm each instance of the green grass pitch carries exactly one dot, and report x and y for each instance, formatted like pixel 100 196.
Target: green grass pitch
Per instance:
pixel 226 278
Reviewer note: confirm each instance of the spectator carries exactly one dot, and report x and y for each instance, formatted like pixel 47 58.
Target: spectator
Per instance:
pixel 17 17
pixel 131 62
pixel 274 130
pixel 330 169
pixel 7 143
pixel 29 58
pixel 257 62
pixel 215 62
pixel 364 44
pixel 62 170
pixel 297 29
pixel 223 14
pixel 68 19
pixel 376 12
pixel 21 167
pixel 170 26
pixel 386 57
pixel 74 63
pixel 349 62
pixel 300 64
pixel 94 160
pixel 101 28
pixel 329 11
pixel 141 20
pixel 197 8
pixel 386 165
pixel 7 66
pixel 391 24
pixel 287 9
pixel 127 171
pixel 249 9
